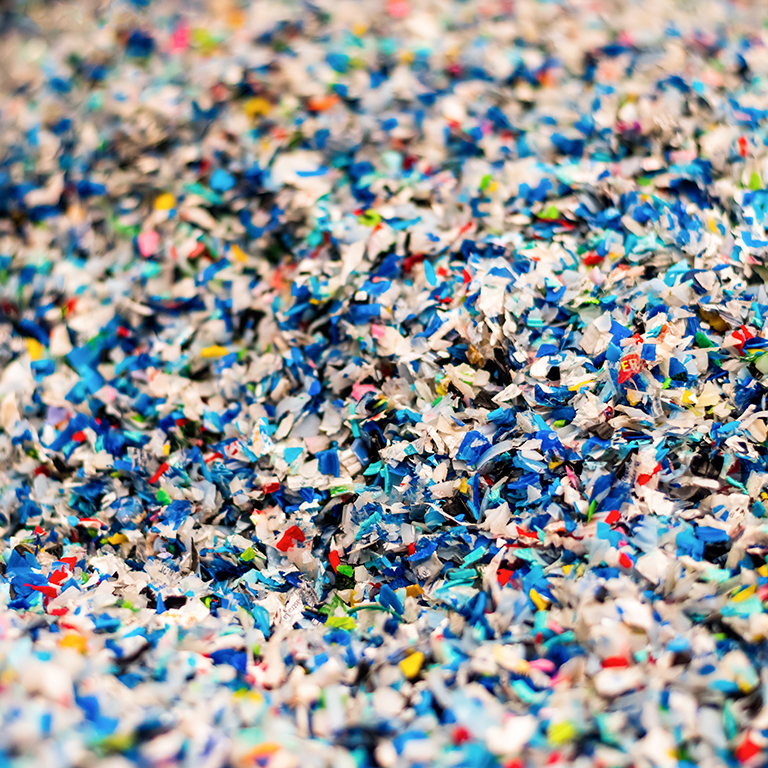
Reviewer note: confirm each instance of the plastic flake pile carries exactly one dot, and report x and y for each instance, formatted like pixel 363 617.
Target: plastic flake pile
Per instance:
pixel 384 384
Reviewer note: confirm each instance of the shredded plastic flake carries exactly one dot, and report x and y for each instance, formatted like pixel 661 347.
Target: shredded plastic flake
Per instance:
pixel 384 384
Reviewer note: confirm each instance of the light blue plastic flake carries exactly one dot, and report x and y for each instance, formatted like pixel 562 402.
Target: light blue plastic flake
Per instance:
pixel 291 454
pixel 474 556
pixel 221 181
pixel 429 272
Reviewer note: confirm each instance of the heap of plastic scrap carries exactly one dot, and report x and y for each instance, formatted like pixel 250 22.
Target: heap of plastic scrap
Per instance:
pixel 384 384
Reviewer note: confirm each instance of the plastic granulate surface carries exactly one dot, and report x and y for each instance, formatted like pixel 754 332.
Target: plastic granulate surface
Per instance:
pixel 383 384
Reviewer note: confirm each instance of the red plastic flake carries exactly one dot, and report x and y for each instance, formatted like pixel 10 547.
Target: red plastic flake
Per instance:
pixel 58 576
pixel 460 735
pixel 90 522
pixel 741 335
pixel 160 472
pixel 503 575
pixel 630 365
pixel 411 261
pixel 643 479
pixel 290 537
pixel 334 559
pixel 746 750
pixel 625 561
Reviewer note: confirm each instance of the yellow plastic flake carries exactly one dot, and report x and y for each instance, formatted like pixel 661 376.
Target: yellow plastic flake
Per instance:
pixel 204 40
pixel 413 590
pixel 214 351
pixel 744 594
pixel 633 397
pixel 35 348
pixel 71 640
pixel 521 667
pixel 567 568
pixel 359 29
pixel 410 666
pixel 167 448
pixel 117 538
pixel 560 733
pixel 257 106
pixel 745 684
pixel 238 253
pixel 463 486
pixel 583 383
pixel 540 602
pixel 763 570
pixel 165 202
pixel 340 622
pixel 687 399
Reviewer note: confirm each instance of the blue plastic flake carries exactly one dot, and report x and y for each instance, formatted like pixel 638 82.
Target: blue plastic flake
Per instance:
pixel 472 447
pixel 221 181
pixel 328 463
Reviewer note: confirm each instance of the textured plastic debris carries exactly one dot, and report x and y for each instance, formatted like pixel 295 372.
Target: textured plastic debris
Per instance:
pixel 383 385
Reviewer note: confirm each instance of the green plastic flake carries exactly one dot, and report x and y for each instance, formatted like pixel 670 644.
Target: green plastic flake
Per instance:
pixel 346 570
pixel 550 213
pixel 703 341
pixel 247 555
pixel 369 218
pixel 163 497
